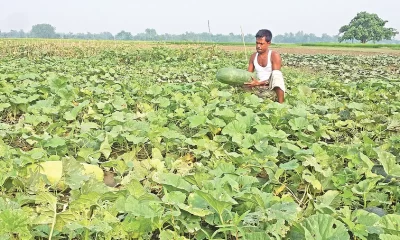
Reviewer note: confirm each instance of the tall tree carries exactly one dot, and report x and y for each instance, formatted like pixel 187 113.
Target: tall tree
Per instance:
pixel 366 27
pixel 43 31
pixel 124 36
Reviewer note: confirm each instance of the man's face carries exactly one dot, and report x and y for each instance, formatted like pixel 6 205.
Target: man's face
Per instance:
pixel 262 45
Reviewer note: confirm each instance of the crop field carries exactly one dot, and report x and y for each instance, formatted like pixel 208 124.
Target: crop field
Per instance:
pixel 187 157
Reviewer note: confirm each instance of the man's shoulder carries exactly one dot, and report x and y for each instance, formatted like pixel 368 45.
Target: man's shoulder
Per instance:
pixel 275 55
pixel 253 56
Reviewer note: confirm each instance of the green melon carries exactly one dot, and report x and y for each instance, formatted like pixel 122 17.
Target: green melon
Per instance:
pixel 234 76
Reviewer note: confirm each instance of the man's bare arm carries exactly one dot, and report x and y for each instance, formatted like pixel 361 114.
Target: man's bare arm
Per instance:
pixel 276 65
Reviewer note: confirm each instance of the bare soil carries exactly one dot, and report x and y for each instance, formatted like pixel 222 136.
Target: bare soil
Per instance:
pixel 322 50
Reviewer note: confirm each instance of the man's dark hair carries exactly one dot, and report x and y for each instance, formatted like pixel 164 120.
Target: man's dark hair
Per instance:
pixel 264 33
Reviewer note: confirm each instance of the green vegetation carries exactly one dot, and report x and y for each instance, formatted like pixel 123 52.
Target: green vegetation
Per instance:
pixel 193 158
pixel 352 45
pixel 367 27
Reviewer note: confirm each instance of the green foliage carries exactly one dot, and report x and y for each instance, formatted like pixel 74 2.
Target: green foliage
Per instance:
pixel 43 31
pixel 191 158
pixel 353 45
pixel 123 36
pixel 366 27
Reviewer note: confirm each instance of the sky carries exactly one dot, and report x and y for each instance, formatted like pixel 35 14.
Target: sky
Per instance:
pixel 180 16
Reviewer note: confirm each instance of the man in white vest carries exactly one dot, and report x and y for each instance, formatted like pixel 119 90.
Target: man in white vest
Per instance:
pixel 267 64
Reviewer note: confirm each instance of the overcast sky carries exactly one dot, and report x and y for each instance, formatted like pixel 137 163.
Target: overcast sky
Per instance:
pixel 180 16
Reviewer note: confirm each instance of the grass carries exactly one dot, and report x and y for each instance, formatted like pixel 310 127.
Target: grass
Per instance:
pixel 352 45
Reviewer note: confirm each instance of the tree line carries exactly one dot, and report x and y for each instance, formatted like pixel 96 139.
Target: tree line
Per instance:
pixel 48 31
pixel 365 27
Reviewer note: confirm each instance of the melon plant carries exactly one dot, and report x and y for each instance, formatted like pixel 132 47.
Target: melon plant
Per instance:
pixel 234 76
pixel 53 170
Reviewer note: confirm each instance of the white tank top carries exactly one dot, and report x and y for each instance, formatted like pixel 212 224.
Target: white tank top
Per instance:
pixel 263 73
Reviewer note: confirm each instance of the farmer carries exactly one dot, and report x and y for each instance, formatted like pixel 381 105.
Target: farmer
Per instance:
pixel 267 64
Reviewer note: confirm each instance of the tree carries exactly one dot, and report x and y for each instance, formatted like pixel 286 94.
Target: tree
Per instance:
pixel 124 36
pixel 366 27
pixel 151 34
pixel 43 31
pixel 105 36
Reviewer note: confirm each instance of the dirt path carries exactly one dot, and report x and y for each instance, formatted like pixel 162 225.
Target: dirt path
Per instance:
pixel 322 50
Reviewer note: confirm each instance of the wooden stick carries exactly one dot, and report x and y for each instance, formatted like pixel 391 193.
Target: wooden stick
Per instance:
pixel 244 44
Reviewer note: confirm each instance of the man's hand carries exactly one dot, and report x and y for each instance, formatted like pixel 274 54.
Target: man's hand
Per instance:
pixel 254 83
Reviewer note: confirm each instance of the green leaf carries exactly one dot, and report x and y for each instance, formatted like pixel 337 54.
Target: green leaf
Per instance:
pixel 217 205
pixel 390 223
pixel 195 211
pixel 174 197
pixel 55 142
pixel 105 148
pixel 299 123
pixel 86 126
pixel 287 211
pixel 71 115
pixel 170 235
pixel 4 106
pixel 147 209
pixel 119 103
pixel 234 128
pixel 291 165
pixel 14 221
pixel 388 161
pixel 309 177
pixel 389 237
pixel 172 180
pixel 135 139
pixel 320 227
pixel 196 121
pixel 365 186
pixel 357 106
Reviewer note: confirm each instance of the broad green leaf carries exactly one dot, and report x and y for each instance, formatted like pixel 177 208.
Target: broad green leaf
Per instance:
pixel 389 237
pixel 299 123
pixel 217 205
pixel 86 126
pixel 320 227
pixel 13 222
pixel 119 103
pixel 309 177
pixel 105 148
pixel 388 161
pixel 357 106
pixel 196 121
pixel 225 113
pixel 365 186
pixel 256 236
pixel 172 180
pixel 4 106
pixel 174 197
pixel 146 209
pixel 234 128
pixel 135 139
pixel 286 211
pixel 170 235
pixel 291 165
pixel 71 115
pixel 391 224
pixel 55 142
pixel 200 212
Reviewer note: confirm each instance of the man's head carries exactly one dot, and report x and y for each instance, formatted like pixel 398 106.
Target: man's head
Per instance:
pixel 263 40
pixel 264 33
